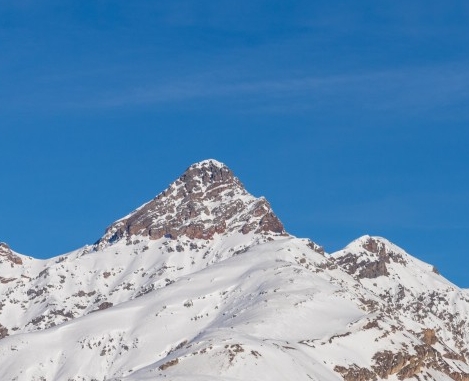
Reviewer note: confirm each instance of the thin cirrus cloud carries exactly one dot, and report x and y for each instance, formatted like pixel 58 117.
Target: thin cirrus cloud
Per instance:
pixel 409 89
pixel 412 90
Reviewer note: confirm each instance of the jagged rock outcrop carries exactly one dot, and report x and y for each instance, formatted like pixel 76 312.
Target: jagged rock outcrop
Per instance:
pixel 6 255
pixel 366 265
pixel 403 364
pixel 3 332
pixel 429 336
pixel 355 373
pixel 206 200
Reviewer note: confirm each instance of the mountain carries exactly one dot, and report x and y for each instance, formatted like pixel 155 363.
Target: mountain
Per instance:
pixel 204 283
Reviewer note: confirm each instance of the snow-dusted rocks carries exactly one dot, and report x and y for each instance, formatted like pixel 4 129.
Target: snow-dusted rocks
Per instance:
pixel 418 301
pixel 203 283
pixel 6 255
pixel 206 200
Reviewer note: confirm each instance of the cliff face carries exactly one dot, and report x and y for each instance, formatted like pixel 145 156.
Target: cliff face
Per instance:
pixel 206 200
pixel 6 255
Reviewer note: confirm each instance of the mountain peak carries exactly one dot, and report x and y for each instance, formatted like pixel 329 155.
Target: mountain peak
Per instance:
pixel 373 244
pixel 208 162
pixel 205 176
pixel 369 257
pixel 207 199
pixel 372 257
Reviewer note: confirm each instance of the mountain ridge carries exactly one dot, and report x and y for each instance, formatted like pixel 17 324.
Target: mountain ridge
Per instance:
pixel 203 282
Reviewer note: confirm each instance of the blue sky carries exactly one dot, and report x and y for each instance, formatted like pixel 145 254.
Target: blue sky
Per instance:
pixel 351 118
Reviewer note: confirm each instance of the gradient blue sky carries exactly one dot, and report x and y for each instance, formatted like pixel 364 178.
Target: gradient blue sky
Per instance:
pixel 351 118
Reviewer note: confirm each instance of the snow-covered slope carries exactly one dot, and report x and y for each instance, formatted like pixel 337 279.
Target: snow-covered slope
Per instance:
pixel 203 283
pixel 413 294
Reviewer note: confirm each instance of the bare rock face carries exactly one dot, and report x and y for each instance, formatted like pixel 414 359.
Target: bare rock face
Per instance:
pixel 404 364
pixel 429 336
pixel 369 266
pixel 3 332
pixel 355 373
pixel 206 200
pixel 6 255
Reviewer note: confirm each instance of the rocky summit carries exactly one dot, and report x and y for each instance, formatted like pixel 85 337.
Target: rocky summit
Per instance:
pixel 203 283
pixel 206 200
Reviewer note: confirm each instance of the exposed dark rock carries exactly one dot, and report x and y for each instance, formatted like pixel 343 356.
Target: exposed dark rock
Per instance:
pixel 363 268
pixel 355 373
pixel 168 364
pixel 369 266
pixel 315 247
pixel 429 336
pixel 387 363
pixel 62 312
pixel 8 255
pixel 374 246
pixel 104 306
pixel 6 280
pixel 373 269
pixel 3 332
pixel 206 200
pixel 404 364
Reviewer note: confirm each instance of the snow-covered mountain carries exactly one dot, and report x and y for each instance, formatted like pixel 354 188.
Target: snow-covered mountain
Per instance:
pixel 203 283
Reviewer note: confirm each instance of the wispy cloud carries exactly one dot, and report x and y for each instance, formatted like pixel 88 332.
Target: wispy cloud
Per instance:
pixel 407 90
pixel 411 90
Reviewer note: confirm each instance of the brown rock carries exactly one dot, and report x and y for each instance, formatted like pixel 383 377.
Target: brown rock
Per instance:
pixel 366 266
pixel 168 364
pixel 355 373
pixel 387 363
pixel 104 305
pixel 3 332
pixel 206 200
pixel 6 253
pixel 374 246
pixel 429 336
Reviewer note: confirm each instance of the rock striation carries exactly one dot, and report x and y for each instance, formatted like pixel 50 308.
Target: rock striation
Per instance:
pixel 372 260
pixel 6 255
pixel 207 199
